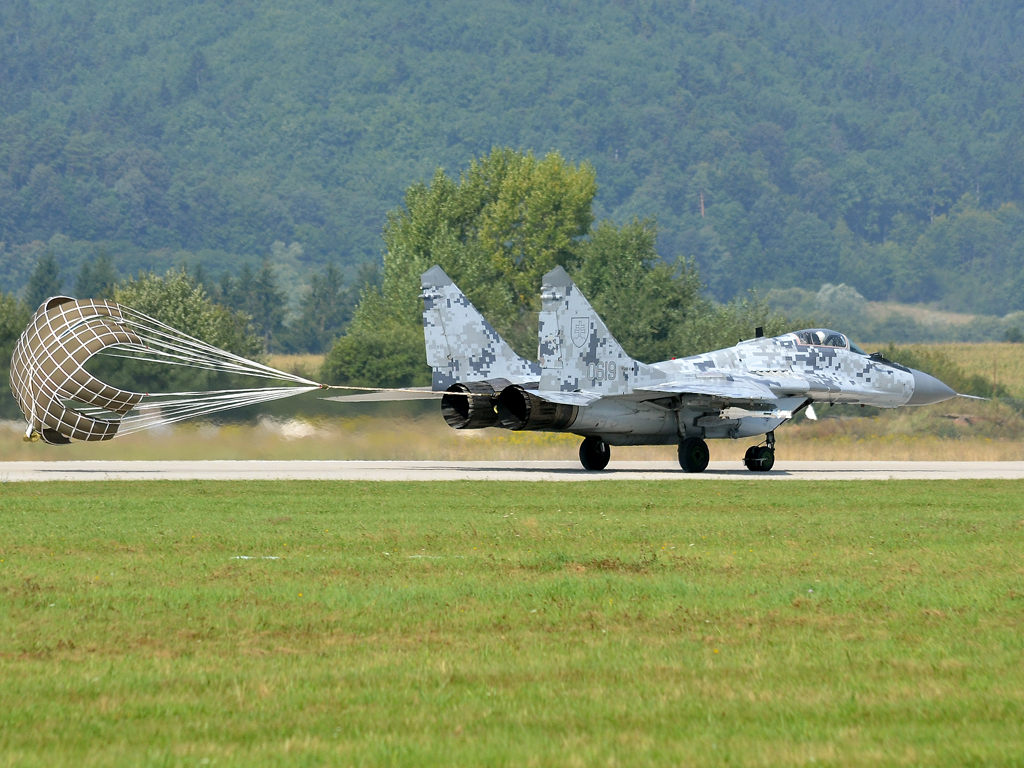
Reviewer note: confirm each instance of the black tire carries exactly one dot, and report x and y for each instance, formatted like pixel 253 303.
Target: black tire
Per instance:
pixel 750 458
pixel 760 458
pixel 594 454
pixel 694 455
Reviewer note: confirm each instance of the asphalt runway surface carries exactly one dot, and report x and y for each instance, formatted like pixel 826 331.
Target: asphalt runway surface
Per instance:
pixel 537 471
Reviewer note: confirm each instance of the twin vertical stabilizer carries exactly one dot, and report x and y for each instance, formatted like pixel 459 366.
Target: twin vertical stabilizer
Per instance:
pixel 577 351
pixel 461 345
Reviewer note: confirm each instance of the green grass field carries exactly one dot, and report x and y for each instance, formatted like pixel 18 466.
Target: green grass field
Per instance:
pixel 604 624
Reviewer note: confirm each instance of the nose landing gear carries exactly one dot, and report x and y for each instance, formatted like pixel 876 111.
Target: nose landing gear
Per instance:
pixel 761 458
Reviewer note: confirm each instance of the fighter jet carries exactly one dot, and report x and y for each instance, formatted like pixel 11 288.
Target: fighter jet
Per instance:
pixel 587 385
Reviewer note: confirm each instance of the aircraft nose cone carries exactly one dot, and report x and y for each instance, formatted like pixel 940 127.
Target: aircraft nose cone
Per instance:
pixel 928 390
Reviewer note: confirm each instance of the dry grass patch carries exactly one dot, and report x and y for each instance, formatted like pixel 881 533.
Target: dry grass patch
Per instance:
pixel 303 365
pixel 1001 363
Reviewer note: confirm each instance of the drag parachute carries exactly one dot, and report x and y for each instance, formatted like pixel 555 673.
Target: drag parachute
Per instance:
pixel 64 402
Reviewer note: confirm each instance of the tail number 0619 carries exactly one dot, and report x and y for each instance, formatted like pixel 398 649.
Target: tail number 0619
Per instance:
pixel 602 371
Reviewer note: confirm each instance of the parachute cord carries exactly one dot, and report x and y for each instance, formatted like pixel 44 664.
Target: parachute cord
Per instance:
pixel 83 405
pixel 415 390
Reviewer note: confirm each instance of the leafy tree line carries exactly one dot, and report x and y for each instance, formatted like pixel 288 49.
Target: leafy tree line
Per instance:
pixel 506 221
pixel 14 315
pixel 174 298
pixel 324 305
pixel 778 143
pixel 242 315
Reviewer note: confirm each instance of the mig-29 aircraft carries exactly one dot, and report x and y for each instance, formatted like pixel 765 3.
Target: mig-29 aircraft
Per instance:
pixel 586 384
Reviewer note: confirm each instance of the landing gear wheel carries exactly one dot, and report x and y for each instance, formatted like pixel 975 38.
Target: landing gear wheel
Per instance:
pixel 759 458
pixel 594 454
pixel 694 455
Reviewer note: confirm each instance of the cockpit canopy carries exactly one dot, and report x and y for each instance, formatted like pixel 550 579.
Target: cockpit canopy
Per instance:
pixel 822 337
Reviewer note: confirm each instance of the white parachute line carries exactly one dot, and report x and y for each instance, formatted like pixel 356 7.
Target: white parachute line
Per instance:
pixel 161 329
pixel 184 346
pixel 157 415
pixel 189 398
pixel 164 416
pixel 200 353
pixel 158 418
pixel 195 362
pixel 186 360
pixel 205 402
pixel 177 340
pixel 228 364
pixel 154 395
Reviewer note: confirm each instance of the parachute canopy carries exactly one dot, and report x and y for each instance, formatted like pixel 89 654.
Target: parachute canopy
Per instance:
pixel 64 402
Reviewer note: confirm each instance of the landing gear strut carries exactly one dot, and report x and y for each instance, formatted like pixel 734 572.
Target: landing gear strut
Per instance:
pixel 694 455
pixel 761 458
pixel 594 453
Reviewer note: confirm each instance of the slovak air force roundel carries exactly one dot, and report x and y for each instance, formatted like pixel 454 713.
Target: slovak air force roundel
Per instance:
pixel 580 330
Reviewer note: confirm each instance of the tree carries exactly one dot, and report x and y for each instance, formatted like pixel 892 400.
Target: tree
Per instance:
pixel 655 309
pixel 166 98
pixel 176 299
pixel 642 299
pixel 14 316
pixel 384 353
pixel 198 72
pixel 96 279
pixel 811 253
pixel 258 296
pixel 509 219
pixel 325 310
pixel 44 282
pixel 717 122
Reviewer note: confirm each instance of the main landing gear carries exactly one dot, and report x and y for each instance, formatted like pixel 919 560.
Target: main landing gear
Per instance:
pixel 594 453
pixel 761 458
pixel 694 455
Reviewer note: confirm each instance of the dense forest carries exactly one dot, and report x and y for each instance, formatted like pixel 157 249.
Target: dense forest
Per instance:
pixel 780 143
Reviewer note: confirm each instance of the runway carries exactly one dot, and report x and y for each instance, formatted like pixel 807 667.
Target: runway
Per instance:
pixel 534 471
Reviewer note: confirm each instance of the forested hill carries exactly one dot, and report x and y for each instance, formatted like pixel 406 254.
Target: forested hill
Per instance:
pixel 780 142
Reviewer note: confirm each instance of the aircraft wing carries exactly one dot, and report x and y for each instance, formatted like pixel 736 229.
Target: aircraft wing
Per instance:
pixel 745 389
pixel 728 388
